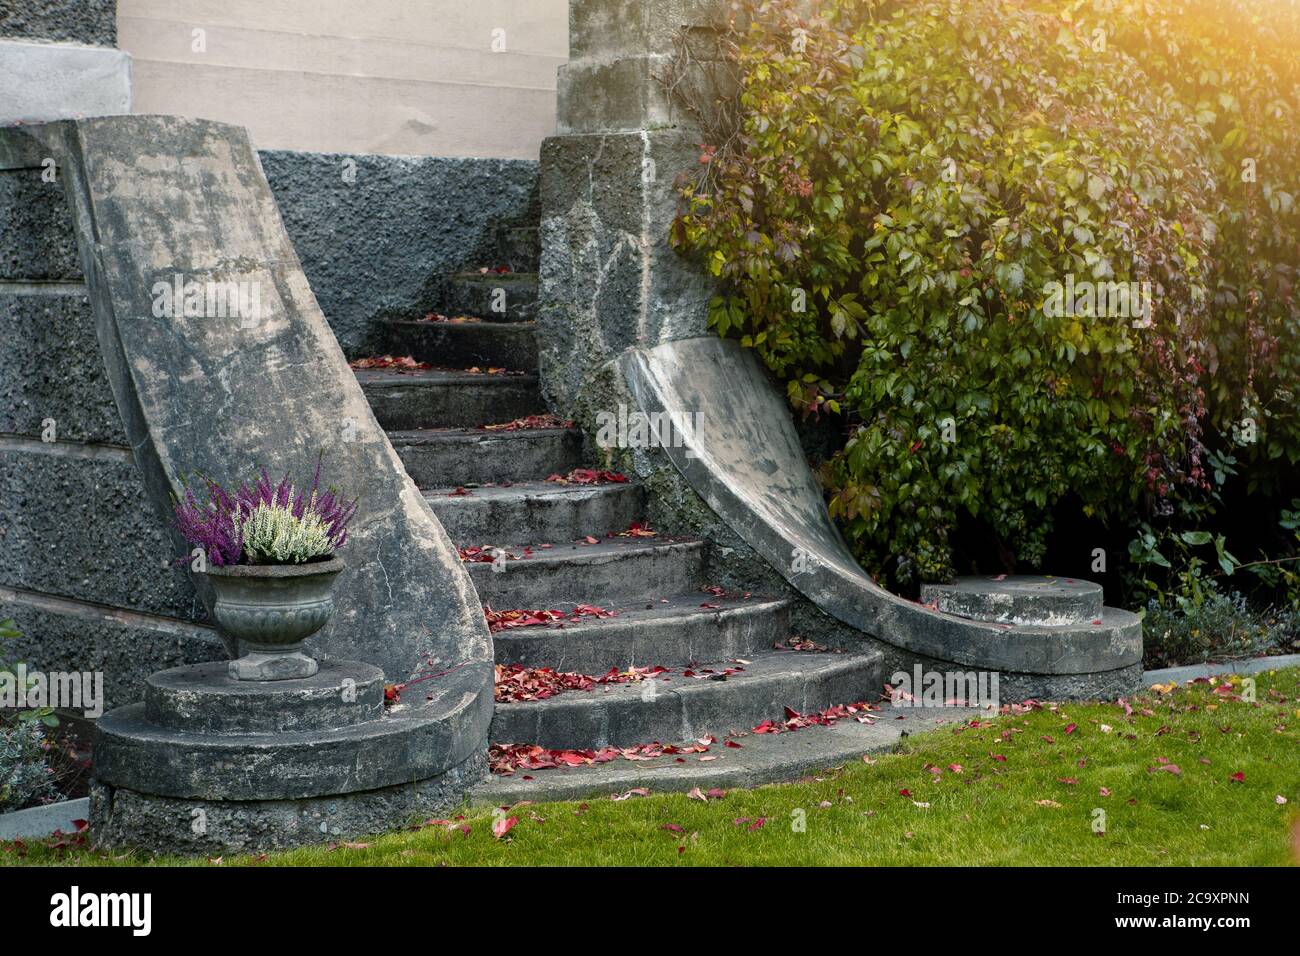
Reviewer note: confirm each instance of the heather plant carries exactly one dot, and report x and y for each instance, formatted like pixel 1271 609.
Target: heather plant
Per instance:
pixel 265 522
pixel 903 194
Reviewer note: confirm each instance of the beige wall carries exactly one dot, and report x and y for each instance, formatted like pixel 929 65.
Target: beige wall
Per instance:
pixel 412 77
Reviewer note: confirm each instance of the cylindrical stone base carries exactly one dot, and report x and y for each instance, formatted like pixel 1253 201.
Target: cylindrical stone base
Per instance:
pixel 121 818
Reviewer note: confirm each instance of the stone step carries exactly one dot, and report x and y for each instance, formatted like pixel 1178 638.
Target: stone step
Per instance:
pixel 687 708
pixel 612 569
pixel 447 457
pixel 541 511
pixel 761 759
pixel 511 345
pixel 1032 600
pixel 677 633
pixel 447 398
pixel 493 296
pixel 519 247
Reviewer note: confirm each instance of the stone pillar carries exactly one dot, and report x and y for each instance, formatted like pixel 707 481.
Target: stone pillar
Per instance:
pixel 58 60
pixel 609 279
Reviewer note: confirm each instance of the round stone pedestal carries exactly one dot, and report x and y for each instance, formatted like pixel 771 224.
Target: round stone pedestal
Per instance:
pixel 211 764
pixel 1024 599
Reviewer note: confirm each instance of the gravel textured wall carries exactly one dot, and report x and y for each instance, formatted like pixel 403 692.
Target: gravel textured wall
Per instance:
pixel 93 22
pixel 377 235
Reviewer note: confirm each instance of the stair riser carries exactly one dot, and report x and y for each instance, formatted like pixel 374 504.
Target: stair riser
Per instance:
pixel 520 248
pixel 690 713
pixel 624 578
pixel 452 406
pixel 477 296
pixel 517 458
pixel 464 345
pixel 562 518
pixel 671 642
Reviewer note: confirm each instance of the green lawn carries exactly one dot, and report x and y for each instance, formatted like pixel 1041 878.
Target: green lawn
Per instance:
pixel 1163 776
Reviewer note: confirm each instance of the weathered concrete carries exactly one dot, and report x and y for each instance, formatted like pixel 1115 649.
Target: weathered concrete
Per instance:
pixel 666 632
pixel 748 466
pixel 273 392
pixel 633 568
pixel 762 759
pixel 447 399
pixel 535 512
pixel 123 818
pixel 205 699
pixel 434 214
pixel 49 81
pixel 439 458
pixel 1254 665
pixel 439 728
pixel 686 708
pixel 1018 599
pixel 36 822
pixel 609 278
pixel 507 345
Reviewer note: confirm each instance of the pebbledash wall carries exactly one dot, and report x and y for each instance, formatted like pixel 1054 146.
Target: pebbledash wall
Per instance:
pixel 85 568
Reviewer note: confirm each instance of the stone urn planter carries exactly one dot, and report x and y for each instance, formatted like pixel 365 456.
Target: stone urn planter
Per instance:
pixel 272 609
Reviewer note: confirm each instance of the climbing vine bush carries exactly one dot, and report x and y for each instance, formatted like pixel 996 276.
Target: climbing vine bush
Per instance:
pixel 1008 246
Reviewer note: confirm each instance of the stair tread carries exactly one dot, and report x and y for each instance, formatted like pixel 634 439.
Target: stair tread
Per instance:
pixel 761 666
pixel 763 759
pixel 431 436
pixel 666 607
pixel 605 549
pixel 440 377
pixel 520 490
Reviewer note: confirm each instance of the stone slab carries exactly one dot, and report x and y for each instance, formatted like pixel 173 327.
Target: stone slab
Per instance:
pixel 1255 665
pixel 618 28
pixel 763 759
pixel 412 741
pixel 51 81
pixel 1018 599
pixel 609 278
pixel 36 822
pixel 204 698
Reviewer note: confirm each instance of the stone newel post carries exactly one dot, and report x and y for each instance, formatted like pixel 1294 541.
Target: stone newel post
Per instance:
pixel 609 278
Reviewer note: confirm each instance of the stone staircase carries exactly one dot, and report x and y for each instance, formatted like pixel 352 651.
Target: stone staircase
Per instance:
pixel 559 545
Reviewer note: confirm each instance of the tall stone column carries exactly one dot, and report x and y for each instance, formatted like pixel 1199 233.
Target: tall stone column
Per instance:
pixel 58 61
pixel 609 277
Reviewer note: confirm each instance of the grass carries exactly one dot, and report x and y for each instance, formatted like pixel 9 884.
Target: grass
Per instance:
pixel 1038 806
